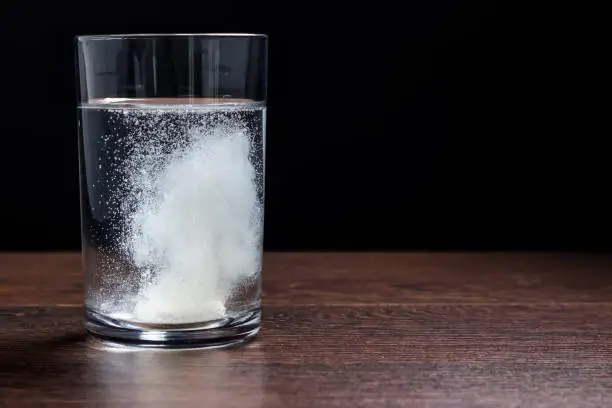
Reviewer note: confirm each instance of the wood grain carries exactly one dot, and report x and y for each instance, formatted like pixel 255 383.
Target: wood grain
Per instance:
pixel 361 330
pixel 41 279
pixel 46 279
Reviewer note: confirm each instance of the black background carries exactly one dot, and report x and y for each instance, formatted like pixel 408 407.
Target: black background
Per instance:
pixel 421 125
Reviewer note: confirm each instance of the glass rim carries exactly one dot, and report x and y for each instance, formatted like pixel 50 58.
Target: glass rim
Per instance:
pixel 99 37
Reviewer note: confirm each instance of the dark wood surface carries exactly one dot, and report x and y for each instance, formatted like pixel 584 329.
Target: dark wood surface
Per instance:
pixel 340 330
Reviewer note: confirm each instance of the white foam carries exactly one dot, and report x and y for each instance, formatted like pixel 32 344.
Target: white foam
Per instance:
pixel 196 228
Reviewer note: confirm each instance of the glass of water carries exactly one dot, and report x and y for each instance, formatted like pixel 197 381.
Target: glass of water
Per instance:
pixel 171 154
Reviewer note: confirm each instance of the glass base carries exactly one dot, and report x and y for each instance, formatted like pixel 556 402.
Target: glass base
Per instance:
pixel 220 333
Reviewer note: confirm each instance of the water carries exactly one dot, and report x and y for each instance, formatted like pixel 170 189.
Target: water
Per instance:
pixel 172 209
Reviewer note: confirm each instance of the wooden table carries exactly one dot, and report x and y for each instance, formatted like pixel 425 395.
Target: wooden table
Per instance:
pixel 340 330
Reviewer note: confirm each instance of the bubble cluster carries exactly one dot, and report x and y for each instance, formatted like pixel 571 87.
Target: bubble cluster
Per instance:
pixel 181 191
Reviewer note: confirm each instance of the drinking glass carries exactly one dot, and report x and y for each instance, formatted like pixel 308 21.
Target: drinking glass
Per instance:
pixel 172 131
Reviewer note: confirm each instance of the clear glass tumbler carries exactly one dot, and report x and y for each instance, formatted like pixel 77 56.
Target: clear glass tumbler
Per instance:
pixel 171 153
